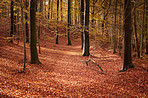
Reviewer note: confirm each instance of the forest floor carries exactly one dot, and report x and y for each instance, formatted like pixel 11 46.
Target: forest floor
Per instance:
pixel 64 73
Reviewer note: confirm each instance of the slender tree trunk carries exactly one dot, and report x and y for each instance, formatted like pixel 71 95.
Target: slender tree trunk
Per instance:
pixel 92 15
pixel 69 23
pixel 57 21
pixel 49 9
pixel 33 37
pixel 82 20
pixel 146 27
pixel 18 38
pixel 75 10
pixel 119 33
pixel 143 30
pixel 40 20
pixel 127 59
pixel 115 29
pixel 103 22
pixel 86 30
pixel 26 24
pixel 12 20
pixel 135 31
pixel 61 11
pixel 22 20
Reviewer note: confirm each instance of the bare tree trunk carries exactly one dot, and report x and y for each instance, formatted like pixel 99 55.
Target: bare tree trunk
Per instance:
pixel 75 10
pixel 115 28
pixel 86 30
pixel 82 20
pixel 127 59
pixel 135 31
pixel 143 30
pixel 57 21
pixel 119 33
pixel 33 37
pixel 26 18
pixel 18 38
pixel 61 11
pixel 23 28
pixel 12 21
pixel 49 9
pixel 69 23
pixel 146 27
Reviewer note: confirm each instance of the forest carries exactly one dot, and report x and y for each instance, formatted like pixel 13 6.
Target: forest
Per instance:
pixel 73 48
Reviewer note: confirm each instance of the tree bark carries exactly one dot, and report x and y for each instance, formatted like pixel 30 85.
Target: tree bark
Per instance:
pixel 69 23
pixel 146 27
pixel 57 21
pixel 12 21
pixel 115 28
pixel 143 30
pixel 61 10
pixel 86 30
pixel 127 59
pixel 82 20
pixel 22 20
pixel 49 9
pixel 26 24
pixel 33 37
pixel 135 31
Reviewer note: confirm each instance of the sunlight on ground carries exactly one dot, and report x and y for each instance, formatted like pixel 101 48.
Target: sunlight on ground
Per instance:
pixel 62 52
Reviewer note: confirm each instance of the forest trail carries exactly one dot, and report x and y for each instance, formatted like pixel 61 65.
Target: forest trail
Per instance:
pixel 64 73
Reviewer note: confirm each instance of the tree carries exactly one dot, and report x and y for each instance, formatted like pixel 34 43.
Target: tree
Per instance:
pixel 82 20
pixel 115 28
pixel 12 20
pixel 135 31
pixel 86 30
pixel 146 27
pixel 49 9
pixel 33 39
pixel 61 10
pixel 26 24
pixel 69 23
pixel 57 21
pixel 23 29
pixel 127 59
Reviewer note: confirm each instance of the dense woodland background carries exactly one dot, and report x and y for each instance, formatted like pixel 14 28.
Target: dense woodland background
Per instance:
pixel 60 37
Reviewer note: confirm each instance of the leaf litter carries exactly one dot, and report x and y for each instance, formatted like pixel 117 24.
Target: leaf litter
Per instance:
pixel 63 74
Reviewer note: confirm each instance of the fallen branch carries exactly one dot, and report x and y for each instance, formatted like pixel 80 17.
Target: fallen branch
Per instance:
pixel 95 63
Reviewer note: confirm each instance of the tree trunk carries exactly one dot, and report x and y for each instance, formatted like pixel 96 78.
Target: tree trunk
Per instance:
pixel 18 38
pixel 119 33
pixel 61 11
pixel 75 10
pixel 26 24
pixel 127 59
pixel 86 30
pixel 22 20
pixel 143 30
pixel 135 31
pixel 57 21
pixel 69 23
pixel 146 27
pixel 12 21
pixel 33 37
pixel 49 9
pixel 115 28
pixel 82 20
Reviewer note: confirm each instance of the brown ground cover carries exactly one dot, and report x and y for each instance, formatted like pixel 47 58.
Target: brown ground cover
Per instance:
pixel 63 72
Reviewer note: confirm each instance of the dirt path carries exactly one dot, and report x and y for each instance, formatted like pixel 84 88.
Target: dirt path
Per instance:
pixel 63 73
